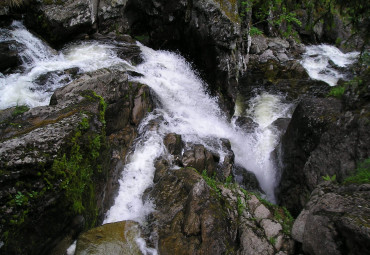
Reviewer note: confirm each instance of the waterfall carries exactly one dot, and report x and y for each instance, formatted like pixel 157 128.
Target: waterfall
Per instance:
pixel 39 60
pixel 185 108
pixel 322 61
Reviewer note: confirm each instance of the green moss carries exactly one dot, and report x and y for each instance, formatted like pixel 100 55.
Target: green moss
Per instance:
pixel 230 9
pixel 20 109
pixel 272 240
pixel 212 182
pixel 84 124
pixel 241 206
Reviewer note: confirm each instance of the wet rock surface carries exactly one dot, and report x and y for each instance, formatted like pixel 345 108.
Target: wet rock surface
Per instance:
pixel 113 238
pixel 337 216
pixel 208 31
pixel 320 140
pixel 9 58
pixel 193 217
pixel 88 128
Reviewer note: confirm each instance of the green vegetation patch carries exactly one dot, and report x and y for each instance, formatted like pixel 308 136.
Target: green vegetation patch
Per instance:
pixel 362 174
pixel 212 182
pixel 20 109
pixel 337 91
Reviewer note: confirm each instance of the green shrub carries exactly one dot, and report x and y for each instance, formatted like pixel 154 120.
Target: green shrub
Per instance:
pixel 337 91
pixel 362 174
pixel 255 31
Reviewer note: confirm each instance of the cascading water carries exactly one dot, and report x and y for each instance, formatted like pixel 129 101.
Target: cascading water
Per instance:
pixel 320 61
pixel 186 109
pixel 23 88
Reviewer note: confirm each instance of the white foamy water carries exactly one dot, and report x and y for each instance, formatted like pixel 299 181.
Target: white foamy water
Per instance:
pixel 136 177
pixel 316 62
pixel 186 109
pixel 39 59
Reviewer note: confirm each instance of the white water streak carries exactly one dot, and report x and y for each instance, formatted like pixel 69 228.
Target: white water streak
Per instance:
pixel 189 111
pixel 39 59
pixel 316 62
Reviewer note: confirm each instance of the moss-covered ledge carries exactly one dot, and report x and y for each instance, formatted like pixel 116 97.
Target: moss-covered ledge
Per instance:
pixel 50 173
pixel 60 164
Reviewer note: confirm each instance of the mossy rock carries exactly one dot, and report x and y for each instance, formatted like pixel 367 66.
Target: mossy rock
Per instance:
pixel 113 238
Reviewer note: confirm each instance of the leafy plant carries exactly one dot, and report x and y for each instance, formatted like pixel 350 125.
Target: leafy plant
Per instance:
pixel 255 31
pixel 20 199
pixel 272 240
pixel 228 181
pixel 330 178
pixel 337 91
pixel 84 124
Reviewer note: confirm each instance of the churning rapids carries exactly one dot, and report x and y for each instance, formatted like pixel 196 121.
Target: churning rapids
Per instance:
pixel 184 108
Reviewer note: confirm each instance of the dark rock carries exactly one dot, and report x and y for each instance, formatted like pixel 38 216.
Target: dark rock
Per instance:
pixel 110 16
pixel 130 53
pixel 289 78
pixel 258 44
pixel 320 140
pixel 60 22
pixel 225 168
pixel 281 124
pixel 42 136
pixel 9 58
pixel 337 216
pixel 199 158
pixel 246 123
pixel 277 44
pixel 173 143
pixel 207 31
pixel 161 166
pixel 246 179
pixel 193 218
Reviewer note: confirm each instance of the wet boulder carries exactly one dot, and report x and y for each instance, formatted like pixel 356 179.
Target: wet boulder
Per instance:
pixel 195 215
pixel 112 238
pixel 246 123
pixel 60 21
pixel 173 144
pixel 320 141
pixel 225 168
pixel 9 58
pixel 338 216
pixel 62 161
pixel 199 158
pixel 246 179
